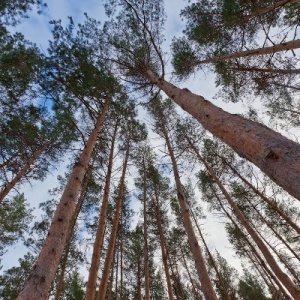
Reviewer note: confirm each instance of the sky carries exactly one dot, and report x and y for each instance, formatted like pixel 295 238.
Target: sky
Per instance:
pixel 38 30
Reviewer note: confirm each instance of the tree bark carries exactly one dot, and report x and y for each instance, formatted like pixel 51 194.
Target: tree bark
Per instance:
pixel 114 230
pixel 286 281
pixel 274 154
pixel 261 70
pixel 59 286
pixel 263 197
pixel 39 282
pixel 146 256
pixel 295 44
pixel 97 248
pixel 269 8
pixel 163 246
pixel 10 185
pixel 207 286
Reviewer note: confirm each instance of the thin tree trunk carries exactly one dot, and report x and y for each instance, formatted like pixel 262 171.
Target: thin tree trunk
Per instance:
pixel 97 248
pixel 139 292
pixel 273 71
pixel 117 266
pixel 274 154
pixel 291 270
pixel 121 263
pixel 269 8
pixel 263 197
pixel 207 286
pixel 295 44
pixel 146 256
pixel 114 230
pixel 286 281
pixel 163 246
pixel 39 282
pixel 253 249
pixel 10 185
pixel 11 158
pixel 210 256
pixel 111 277
pixel 279 237
pixel 59 286
pixel 189 275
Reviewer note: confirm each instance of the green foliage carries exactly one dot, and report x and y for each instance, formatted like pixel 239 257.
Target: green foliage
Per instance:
pixel 12 280
pixel 15 217
pixel 250 288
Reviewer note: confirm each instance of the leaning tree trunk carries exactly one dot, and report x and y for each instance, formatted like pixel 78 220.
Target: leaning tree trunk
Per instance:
pixel 114 230
pixel 291 45
pixel 286 281
pixel 274 154
pixel 269 8
pixel 60 283
pixel 10 185
pixel 273 206
pixel 207 286
pixel 97 248
pixel 38 284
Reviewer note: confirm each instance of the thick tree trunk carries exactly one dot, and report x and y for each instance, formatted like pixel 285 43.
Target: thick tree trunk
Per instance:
pixel 291 45
pixel 263 197
pixel 114 230
pixel 10 185
pixel 146 256
pixel 39 282
pixel 286 281
pixel 274 154
pixel 207 286
pixel 163 246
pixel 59 286
pixel 269 8
pixel 97 248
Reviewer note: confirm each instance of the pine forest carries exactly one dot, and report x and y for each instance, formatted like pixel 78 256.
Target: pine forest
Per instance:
pixel 139 162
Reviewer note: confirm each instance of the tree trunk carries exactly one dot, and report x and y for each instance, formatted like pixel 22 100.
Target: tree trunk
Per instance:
pixel 286 281
pixel 163 246
pixel 295 44
pixel 114 230
pixel 263 197
pixel 269 8
pixel 196 294
pixel 10 185
pixel 39 282
pixel 59 286
pixel 261 70
pixel 210 256
pixel 207 287
pixel 274 154
pixel 146 256
pixel 97 248
pixel 253 250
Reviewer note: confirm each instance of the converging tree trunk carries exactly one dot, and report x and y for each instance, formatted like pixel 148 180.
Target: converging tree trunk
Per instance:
pixel 97 248
pixel 274 154
pixel 204 278
pixel 38 284
pixel 114 230
pixel 286 281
